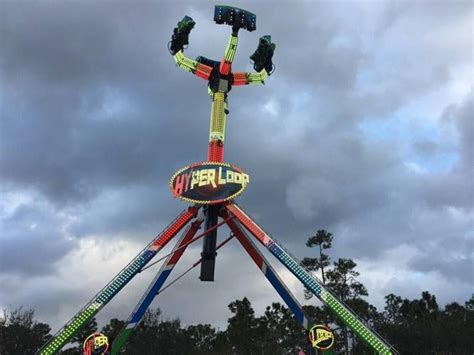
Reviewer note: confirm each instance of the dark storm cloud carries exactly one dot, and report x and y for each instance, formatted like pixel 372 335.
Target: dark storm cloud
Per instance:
pixel 95 118
pixel 65 140
pixel 32 240
pixel 451 256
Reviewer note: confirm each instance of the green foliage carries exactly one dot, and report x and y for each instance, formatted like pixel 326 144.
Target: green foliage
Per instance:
pixel 322 240
pixel 341 280
pixel 278 331
pixel 156 333
pixel 242 328
pixel 413 326
pixel 201 338
pixel 20 333
pixel 420 327
pixel 112 329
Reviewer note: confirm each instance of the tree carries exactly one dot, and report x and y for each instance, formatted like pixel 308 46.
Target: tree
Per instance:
pixel 143 338
pixel 414 327
pixel 392 312
pixel 322 240
pixel 420 327
pixel 113 329
pixel 279 332
pixel 201 338
pixel 20 333
pixel 458 326
pixel 170 339
pixel 342 281
pixel 242 328
pixel 157 335
pixel 221 344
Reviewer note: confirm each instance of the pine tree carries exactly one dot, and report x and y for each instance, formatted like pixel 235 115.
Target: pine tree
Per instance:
pixel 322 240
pixel 20 333
pixel 242 328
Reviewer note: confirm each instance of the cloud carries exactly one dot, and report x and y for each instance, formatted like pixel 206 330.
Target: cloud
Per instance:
pixel 365 129
pixel 33 237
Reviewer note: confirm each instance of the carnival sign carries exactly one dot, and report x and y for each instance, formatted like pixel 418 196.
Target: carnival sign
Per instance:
pixel 96 343
pixel 208 182
pixel 321 337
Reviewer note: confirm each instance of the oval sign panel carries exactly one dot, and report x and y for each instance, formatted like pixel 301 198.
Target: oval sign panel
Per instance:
pixel 321 337
pixel 208 182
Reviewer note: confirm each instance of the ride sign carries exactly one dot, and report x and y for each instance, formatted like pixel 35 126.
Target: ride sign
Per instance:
pixel 95 344
pixel 321 337
pixel 208 182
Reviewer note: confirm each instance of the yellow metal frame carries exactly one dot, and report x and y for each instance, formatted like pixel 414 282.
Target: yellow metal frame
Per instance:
pixel 218 117
pixel 229 53
pixel 184 62
pixel 219 102
pixel 257 78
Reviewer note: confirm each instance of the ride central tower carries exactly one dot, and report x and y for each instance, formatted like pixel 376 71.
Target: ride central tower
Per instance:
pixel 220 81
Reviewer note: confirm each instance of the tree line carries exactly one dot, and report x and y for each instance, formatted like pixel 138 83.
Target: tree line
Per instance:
pixel 414 327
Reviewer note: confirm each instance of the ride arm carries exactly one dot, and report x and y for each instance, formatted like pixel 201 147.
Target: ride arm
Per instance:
pixel 312 283
pixel 155 286
pixel 243 78
pixel 262 63
pixel 201 70
pixel 229 53
pixel 66 333
pixel 179 39
pixel 266 268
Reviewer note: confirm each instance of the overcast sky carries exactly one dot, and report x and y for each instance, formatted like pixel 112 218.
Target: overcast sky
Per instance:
pixel 365 129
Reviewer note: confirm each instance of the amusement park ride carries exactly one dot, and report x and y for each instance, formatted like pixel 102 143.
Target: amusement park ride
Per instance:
pixel 211 187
